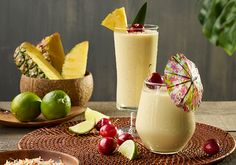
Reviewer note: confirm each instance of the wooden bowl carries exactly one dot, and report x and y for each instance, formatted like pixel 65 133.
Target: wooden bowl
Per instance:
pixel 44 154
pixel 79 90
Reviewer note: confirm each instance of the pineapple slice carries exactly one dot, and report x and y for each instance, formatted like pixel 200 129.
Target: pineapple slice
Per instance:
pixel 51 46
pixel 43 64
pixel 76 61
pixel 116 19
pixel 26 65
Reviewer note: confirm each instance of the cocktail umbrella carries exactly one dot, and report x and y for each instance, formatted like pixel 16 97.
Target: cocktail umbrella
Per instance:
pixel 183 82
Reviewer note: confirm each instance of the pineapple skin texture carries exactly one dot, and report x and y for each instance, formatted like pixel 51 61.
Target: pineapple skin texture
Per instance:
pixel 44 65
pixel 53 46
pixel 76 61
pixel 26 65
pixel 116 19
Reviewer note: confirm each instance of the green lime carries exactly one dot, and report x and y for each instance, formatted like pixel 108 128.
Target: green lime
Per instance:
pixel 26 106
pixel 83 127
pixel 129 149
pixel 56 104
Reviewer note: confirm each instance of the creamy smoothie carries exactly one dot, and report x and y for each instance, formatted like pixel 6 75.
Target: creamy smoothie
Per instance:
pixel 136 55
pixel 161 125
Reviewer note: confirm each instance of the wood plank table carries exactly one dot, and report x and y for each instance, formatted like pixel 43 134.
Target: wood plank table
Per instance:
pixel 219 114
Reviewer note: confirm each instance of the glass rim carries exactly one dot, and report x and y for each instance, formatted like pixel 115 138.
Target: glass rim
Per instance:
pixel 146 26
pixel 154 84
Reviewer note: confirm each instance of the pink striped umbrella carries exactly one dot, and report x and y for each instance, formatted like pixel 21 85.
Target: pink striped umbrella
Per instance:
pixel 183 82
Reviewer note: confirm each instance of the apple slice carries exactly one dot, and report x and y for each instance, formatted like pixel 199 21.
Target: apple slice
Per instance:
pixel 94 115
pixel 129 149
pixel 83 127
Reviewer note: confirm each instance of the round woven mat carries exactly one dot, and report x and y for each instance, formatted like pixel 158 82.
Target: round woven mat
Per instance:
pixel 85 147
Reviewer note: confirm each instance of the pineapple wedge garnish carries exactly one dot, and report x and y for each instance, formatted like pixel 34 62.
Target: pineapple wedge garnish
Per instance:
pixel 116 19
pixel 43 64
pixel 52 46
pixel 76 61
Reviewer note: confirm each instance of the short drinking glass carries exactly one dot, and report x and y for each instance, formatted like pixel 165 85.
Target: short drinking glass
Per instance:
pixel 162 126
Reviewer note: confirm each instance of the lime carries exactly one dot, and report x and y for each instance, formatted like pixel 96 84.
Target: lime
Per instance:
pixel 94 115
pixel 83 127
pixel 26 106
pixel 129 149
pixel 55 104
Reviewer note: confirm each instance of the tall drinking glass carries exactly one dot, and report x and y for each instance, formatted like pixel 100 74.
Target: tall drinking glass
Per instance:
pixel 136 54
pixel 162 126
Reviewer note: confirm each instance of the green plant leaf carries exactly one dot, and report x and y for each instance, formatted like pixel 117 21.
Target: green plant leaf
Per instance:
pixel 218 19
pixel 225 26
pixel 214 11
pixel 140 17
pixel 203 12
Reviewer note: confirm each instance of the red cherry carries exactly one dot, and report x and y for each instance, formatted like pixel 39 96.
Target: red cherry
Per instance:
pixel 108 130
pixel 155 78
pixel 107 145
pixel 136 28
pixel 211 147
pixel 123 137
pixel 101 123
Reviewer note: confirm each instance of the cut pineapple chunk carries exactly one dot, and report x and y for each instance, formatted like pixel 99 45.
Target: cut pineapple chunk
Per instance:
pixel 76 61
pixel 116 19
pixel 43 64
pixel 52 47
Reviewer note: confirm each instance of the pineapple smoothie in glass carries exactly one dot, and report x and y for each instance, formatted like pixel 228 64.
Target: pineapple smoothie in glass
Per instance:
pixel 136 54
pixel 165 119
pixel 162 126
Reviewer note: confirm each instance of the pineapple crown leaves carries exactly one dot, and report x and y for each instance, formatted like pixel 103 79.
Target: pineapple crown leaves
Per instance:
pixel 141 15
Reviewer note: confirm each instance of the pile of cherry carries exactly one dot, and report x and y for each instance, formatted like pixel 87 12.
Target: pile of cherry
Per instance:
pixel 109 141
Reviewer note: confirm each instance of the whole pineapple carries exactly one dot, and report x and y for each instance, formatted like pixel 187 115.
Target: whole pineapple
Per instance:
pixel 26 65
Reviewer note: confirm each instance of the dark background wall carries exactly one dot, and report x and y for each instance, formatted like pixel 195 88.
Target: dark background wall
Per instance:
pixel 78 20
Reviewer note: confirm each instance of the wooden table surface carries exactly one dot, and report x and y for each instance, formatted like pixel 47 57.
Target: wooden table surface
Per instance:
pixel 219 114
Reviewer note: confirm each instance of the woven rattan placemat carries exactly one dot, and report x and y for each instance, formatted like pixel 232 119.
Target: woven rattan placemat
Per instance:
pixel 85 147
